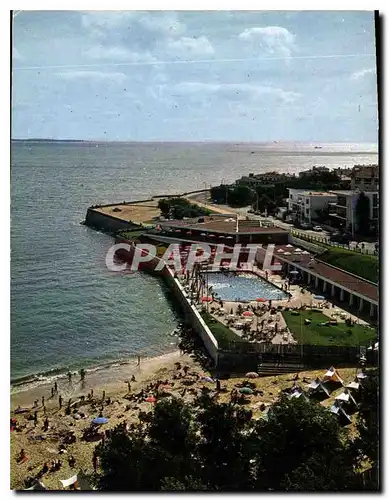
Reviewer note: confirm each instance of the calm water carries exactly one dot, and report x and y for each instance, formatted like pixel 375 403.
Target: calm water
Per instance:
pixel 67 310
pixel 243 287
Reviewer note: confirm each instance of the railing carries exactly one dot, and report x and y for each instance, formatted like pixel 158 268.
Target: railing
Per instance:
pixel 327 241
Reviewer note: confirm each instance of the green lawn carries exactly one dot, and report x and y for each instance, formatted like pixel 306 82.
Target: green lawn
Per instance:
pixel 132 235
pixel 365 266
pixel 222 333
pixel 315 334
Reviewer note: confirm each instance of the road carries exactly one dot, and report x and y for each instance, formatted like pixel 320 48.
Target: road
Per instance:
pixel 203 199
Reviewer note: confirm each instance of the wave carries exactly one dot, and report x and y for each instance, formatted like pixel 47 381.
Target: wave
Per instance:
pixel 49 376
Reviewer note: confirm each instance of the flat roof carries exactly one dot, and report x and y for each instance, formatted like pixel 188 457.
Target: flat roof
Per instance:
pixel 221 226
pixel 317 193
pixel 349 281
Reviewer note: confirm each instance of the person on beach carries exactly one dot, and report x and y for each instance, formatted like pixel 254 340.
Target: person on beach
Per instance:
pixel 69 376
pixel 91 393
pixel 94 461
pixel 82 374
pixel 35 418
pixel 52 392
pixel 46 424
pixel 36 403
pixel 55 387
pixel 133 378
pixel 60 401
pixel 72 461
pixel 129 386
pixel 138 360
pixel 43 401
pixel 103 395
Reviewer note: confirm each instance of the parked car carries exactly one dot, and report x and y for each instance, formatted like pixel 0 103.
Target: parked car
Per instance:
pixel 317 228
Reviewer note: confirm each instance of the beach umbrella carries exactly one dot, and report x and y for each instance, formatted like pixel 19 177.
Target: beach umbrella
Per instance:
pixel 206 299
pixel 246 390
pixel 297 250
pixel 229 237
pixel 207 379
pixel 289 246
pixel 248 313
pixel 280 250
pixel 319 297
pixel 261 299
pixel 288 253
pixel 294 272
pixel 151 399
pixel 252 375
pixel 203 234
pixel 100 421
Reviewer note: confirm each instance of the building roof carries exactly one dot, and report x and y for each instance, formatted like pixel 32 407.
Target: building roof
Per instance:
pixel 326 271
pixel 222 225
pixel 365 171
pixel 317 193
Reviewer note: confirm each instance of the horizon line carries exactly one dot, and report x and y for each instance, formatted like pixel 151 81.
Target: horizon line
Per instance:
pixel 228 141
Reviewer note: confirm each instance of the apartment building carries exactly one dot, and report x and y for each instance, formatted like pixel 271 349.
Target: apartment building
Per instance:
pixel 365 178
pixel 253 180
pixel 304 204
pixel 342 211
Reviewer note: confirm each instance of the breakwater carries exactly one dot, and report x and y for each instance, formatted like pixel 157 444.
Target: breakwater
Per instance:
pixel 107 223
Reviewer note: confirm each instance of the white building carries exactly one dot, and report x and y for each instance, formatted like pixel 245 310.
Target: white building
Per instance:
pixel 342 211
pixel 304 204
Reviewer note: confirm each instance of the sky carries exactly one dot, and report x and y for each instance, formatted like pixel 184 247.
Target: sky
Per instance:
pixel 194 76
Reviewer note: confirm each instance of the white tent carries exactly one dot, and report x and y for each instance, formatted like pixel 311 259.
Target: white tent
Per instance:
pixel 332 376
pixel 343 397
pixel 315 384
pixel 361 375
pixel 353 385
pixel 338 410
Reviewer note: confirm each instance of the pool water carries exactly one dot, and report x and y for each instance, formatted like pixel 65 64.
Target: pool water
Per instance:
pixel 243 287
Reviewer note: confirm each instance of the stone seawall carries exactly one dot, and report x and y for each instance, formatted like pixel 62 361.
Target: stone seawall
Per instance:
pixel 190 313
pixel 105 222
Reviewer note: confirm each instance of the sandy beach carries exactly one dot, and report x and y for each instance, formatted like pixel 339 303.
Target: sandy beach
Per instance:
pixel 42 446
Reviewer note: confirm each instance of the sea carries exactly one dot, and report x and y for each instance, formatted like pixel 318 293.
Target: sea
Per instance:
pixel 67 310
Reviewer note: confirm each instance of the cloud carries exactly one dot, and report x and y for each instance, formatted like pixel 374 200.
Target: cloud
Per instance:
pixel 235 91
pixel 92 75
pixel 274 39
pixel 163 23
pixel 360 74
pixel 118 53
pixel 191 46
pixel 104 19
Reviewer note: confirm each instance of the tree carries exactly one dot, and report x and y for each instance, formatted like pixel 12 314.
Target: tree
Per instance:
pixel 301 447
pixel 362 214
pixel 208 446
pixel 366 446
pixel 178 208
pixel 241 196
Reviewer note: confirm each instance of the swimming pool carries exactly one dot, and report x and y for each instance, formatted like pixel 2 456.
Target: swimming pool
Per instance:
pixel 243 287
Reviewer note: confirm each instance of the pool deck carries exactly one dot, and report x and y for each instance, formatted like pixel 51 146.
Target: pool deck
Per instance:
pixel 266 327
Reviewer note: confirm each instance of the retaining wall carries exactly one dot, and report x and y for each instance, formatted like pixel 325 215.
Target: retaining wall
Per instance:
pixel 105 222
pixel 191 314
